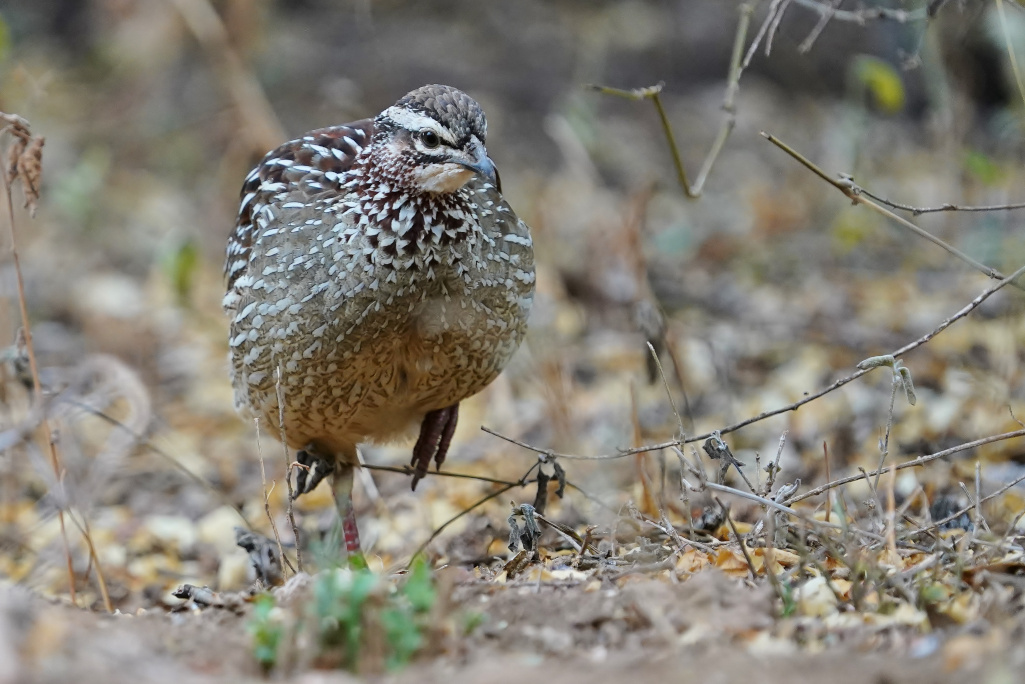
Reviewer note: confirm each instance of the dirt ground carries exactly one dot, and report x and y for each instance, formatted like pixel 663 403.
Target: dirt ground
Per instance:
pixel 647 631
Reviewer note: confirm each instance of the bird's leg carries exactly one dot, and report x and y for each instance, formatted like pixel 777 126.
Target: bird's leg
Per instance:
pixel 313 468
pixel 435 437
pixel 341 487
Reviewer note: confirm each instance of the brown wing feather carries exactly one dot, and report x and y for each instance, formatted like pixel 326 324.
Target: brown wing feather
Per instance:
pixel 310 165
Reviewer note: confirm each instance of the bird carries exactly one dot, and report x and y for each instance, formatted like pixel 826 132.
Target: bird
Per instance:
pixel 376 277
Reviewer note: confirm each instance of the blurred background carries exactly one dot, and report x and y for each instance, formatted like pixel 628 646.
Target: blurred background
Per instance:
pixel 771 284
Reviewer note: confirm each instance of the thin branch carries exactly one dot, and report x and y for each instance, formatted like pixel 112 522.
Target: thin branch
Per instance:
pixel 653 93
pixel 480 502
pixel 740 540
pixel 729 117
pixel 789 511
pixel 101 580
pixel 290 509
pixel 549 453
pixel 964 311
pixel 851 191
pixel 266 500
pixel 261 123
pixel 408 470
pixel 824 19
pixel 954 516
pixel 921 460
pixel 884 450
pixel 774 10
pixel 918 211
pixel 863 16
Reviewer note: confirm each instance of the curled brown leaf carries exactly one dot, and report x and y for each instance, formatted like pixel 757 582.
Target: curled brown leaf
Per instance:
pixel 24 158
pixel 30 170
pixel 13 154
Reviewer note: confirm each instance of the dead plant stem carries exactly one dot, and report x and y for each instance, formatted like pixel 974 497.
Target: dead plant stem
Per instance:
pixel 266 499
pixel 852 192
pixel 740 540
pixel 914 463
pixel 290 510
pixel 37 386
pixel 885 447
pixel 729 116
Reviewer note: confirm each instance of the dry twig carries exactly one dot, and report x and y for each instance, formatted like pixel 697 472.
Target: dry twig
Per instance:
pixel 918 211
pixel 290 510
pixel 28 171
pixel 729 117
pixel 846 185
pixel 914 463
pixel 266 499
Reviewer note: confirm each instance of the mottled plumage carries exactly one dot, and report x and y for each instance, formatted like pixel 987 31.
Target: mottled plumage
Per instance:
pixel 376 267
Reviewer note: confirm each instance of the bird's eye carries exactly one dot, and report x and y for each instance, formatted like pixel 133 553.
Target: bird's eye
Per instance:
pixel 430 139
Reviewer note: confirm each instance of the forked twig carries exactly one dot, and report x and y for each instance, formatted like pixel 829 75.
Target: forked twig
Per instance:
pixel 851 191
pixel 729 117
pixel 921 460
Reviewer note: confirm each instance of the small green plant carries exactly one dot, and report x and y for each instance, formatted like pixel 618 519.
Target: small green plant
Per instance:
pixel 789 600
pixel 338 600
pixel 266 632
pixel 353 619
pixel 363 621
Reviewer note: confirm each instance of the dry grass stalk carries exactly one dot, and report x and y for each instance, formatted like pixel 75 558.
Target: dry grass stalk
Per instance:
pixel 25 165
pixel 289 465
pixel 266 498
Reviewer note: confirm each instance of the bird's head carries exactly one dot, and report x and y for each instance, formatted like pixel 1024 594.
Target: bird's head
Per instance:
pixel 432 140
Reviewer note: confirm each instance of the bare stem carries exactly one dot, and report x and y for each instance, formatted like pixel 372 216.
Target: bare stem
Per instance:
pixel 290 510
pixel 480 502
pixel 729 117
pixel 914 463
pixel 918 211
pixel 266 499
pixel 36 385
pixel 853 193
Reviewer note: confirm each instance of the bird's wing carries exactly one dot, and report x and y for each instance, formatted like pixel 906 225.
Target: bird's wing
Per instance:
pixel 300 169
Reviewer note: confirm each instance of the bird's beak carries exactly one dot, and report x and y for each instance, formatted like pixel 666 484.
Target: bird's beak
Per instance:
pixel 481 164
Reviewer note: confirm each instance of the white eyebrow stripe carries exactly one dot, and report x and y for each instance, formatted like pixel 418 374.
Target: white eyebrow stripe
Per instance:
pixel 412 121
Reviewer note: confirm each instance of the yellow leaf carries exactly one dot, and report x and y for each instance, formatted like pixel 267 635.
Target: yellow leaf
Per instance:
pixel 882 80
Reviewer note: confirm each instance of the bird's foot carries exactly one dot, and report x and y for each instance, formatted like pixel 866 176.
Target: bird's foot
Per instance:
pixel 435 437
pixel 312 469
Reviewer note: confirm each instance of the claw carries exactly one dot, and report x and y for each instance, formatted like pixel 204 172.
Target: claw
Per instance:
pixel 435 438
pixel 316 469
